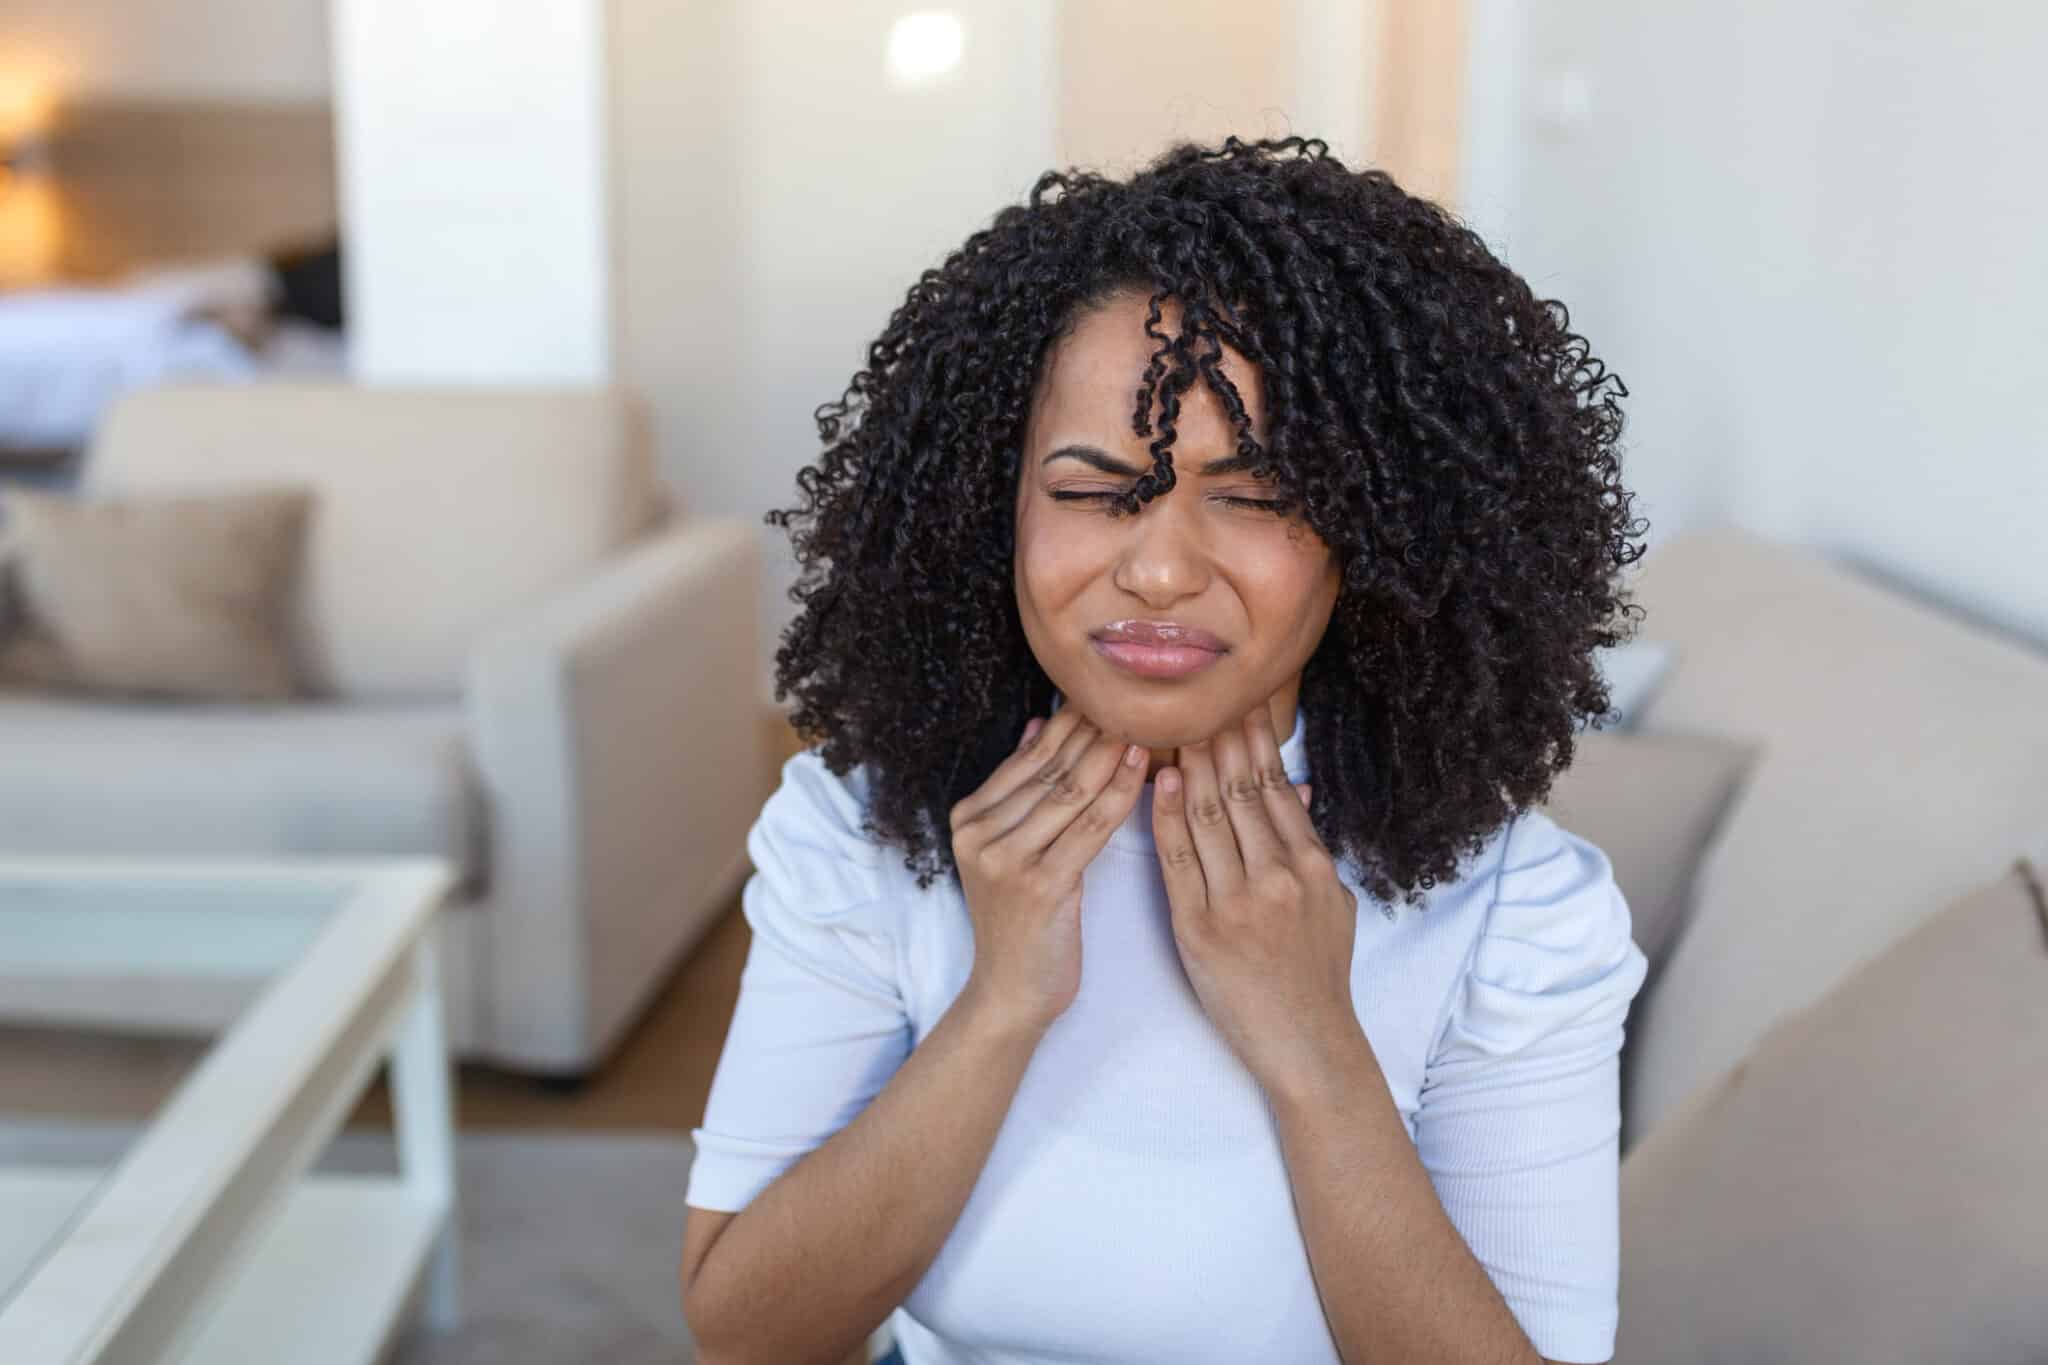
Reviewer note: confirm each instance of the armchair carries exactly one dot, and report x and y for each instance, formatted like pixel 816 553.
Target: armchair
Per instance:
pixel 524 656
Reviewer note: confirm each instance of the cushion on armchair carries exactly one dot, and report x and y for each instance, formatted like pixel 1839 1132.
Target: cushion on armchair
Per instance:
pixel 1869 1182
pixel 183 596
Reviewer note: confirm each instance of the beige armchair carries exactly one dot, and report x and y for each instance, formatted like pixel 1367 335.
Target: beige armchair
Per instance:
pixel 524 656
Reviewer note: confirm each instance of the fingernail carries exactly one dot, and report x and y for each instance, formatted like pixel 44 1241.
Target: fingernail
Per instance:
pixel 1031 727
pixel 1303 788
pixel 1133 755
pixel 1169 780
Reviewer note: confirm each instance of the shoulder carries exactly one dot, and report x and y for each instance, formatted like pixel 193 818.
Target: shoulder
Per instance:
pixel 810 850
pixel 1553 947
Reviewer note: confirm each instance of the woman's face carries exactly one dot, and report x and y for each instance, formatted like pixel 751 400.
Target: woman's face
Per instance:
pixel 1261 583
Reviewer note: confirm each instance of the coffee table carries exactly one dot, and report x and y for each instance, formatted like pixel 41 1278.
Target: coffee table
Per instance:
pixel 208 1240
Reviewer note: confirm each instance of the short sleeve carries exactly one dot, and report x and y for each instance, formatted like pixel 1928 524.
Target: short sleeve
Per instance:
pixel 821 1024
pixel 1518 1118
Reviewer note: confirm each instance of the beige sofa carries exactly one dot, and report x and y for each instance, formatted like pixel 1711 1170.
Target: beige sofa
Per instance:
pixel 525 655
pixel 1835 1079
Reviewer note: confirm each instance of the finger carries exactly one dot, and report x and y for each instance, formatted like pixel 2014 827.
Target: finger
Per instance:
pixel 1075 847
pixel 1011 789
pixel 1208 822
pixel 1179 865
pixel 1048 767
pixel 1289 816
pixel 1245 785
pixel 1064 793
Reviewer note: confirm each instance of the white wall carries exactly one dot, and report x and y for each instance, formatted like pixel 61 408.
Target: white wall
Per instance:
pixel 778 195
pixel 1808 239
pixel 472 152
pixel 234 48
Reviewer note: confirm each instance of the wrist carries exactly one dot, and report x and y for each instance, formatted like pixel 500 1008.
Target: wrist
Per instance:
pixel 997 1019
pixel 1326 1063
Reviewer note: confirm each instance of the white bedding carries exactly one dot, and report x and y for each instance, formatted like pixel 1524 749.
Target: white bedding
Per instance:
pixel 66 353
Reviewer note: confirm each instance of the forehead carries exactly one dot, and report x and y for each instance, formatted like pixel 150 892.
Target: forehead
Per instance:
pixel 1090 384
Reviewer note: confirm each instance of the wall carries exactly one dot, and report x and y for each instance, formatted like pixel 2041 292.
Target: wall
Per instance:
pixel 49 49
pixel 1377 80
pixel 777 196
pixel 237 48
pixel 473 167
pixel 1807 238
pixel 1129 83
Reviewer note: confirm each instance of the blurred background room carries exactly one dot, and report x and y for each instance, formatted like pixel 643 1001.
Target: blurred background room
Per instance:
pixel 367 943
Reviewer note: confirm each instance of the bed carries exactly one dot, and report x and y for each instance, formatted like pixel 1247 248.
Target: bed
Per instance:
pixel 190 239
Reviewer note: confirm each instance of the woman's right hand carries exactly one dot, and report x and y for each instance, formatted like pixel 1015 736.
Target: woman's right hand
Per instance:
pixel 1021 841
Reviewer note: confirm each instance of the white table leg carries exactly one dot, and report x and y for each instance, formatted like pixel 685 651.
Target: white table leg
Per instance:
pixel 423 1115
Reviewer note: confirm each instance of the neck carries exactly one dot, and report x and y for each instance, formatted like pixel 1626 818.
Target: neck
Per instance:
pixel 1280 708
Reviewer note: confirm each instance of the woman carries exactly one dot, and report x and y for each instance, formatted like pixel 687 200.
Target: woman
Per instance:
pixel 1130 1042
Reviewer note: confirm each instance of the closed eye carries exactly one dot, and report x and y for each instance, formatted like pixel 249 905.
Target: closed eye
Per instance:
pixel 1264 504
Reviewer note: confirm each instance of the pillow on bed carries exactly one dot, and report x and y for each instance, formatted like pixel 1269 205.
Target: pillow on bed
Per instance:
pixel 309 283
pixel 165 595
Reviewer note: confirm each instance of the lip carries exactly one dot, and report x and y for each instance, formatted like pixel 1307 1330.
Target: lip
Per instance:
pixel 1138 632
pixel 1156 661
pixel 1158 649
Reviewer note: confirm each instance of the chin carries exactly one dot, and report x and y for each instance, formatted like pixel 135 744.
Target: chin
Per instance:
pixel 1163 721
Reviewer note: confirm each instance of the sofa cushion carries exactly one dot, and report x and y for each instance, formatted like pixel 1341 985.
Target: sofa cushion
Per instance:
pixel 1652 804
pixel 91 776
pixel 1868 1184
pixel 1905 750
pixel 442 512
pixel 176 595
pixel 1632 673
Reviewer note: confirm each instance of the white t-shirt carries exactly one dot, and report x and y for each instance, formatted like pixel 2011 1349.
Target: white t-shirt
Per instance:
pixel 1135 1205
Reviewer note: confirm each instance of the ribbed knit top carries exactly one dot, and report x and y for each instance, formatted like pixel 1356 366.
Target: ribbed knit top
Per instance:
pixel 1136 1206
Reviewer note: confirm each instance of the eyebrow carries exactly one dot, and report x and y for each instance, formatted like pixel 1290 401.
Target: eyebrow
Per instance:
pixel 1100 459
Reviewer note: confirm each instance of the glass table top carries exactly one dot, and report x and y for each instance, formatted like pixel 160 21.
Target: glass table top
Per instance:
pixel 117 983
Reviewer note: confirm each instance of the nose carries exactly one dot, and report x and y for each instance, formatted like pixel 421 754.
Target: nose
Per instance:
pixel 1165 553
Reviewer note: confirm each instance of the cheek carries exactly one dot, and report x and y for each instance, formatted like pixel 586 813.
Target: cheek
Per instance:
pixel 1287 585
pixel 1054 562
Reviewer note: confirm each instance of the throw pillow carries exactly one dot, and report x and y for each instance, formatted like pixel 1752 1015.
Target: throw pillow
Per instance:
pixel 1868 1184
pixel 1652 803
pixel 158 595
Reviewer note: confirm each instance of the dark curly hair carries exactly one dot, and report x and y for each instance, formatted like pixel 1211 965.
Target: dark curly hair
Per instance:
pixel 1437 425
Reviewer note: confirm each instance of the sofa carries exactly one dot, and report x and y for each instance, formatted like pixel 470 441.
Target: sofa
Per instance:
pixel 1829 815
pixel 521 652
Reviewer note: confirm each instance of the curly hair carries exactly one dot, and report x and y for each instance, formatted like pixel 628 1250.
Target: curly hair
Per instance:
pixel 1438 426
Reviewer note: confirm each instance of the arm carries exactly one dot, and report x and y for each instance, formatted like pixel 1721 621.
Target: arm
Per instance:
pixel 1396 1279
pixel 850 1229
pixel 1495 1234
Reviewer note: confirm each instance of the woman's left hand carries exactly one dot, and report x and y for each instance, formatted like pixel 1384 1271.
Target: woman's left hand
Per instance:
pixel 1264 926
